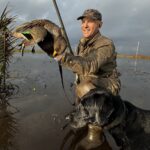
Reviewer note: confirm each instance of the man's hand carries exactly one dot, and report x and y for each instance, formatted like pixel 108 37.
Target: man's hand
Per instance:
pixel 58 57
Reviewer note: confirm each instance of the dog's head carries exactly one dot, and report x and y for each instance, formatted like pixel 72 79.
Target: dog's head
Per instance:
pixel 95 108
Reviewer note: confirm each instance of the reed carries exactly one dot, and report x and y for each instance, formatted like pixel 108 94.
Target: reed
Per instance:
pixel 7 48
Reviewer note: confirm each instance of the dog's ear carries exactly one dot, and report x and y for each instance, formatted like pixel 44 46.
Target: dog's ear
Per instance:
pixel 107 110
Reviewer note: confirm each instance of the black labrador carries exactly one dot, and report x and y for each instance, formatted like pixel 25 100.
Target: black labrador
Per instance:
pixel 128 125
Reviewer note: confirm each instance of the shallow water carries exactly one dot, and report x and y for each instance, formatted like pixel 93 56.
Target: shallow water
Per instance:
pixel 42 104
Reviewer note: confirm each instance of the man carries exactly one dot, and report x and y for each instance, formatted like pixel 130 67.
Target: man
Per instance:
pixel 95 62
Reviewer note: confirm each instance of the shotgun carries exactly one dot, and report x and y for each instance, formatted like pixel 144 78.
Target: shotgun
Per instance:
pixel 62 26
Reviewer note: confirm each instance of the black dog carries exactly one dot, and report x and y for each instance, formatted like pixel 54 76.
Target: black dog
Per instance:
pixel 124 121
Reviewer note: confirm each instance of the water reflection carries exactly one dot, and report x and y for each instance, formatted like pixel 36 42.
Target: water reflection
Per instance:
pixel 8 124
pixel 90 138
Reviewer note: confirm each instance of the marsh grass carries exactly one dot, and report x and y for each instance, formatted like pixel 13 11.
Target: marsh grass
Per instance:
pixel 7 49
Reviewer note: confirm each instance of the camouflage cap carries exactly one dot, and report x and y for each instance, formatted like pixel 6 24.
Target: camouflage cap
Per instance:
pixel 91 13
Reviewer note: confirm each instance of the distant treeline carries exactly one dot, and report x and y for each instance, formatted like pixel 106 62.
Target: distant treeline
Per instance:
pixel 139 56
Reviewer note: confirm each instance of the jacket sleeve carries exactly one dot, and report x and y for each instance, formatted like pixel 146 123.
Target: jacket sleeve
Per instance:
pixel 90 64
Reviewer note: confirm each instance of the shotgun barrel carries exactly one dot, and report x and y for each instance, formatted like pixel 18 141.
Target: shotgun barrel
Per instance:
pixel 62 25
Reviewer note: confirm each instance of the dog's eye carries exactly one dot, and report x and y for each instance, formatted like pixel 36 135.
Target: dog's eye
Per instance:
pixel 90 119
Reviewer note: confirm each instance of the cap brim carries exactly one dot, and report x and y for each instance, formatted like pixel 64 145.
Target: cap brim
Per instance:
pixel 80 18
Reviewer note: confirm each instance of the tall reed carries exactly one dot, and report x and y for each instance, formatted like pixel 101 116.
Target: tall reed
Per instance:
pixel 7 48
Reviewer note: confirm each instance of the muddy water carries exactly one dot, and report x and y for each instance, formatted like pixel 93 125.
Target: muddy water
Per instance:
pixel 42 104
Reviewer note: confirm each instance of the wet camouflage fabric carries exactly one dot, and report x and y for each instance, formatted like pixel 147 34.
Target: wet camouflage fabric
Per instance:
pixel 95 62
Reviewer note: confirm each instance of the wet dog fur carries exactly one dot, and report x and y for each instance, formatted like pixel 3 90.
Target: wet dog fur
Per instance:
pixel 122 119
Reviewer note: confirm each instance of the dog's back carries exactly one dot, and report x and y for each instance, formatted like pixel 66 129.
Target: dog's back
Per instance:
pixel 137 119
pixel 138 127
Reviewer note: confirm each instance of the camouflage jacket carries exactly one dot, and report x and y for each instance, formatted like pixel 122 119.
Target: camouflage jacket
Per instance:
pixel 95 59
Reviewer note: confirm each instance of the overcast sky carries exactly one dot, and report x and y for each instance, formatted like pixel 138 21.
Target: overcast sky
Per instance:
pixel 124 21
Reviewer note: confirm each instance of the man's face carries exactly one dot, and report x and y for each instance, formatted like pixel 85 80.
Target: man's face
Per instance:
pixel 89 27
